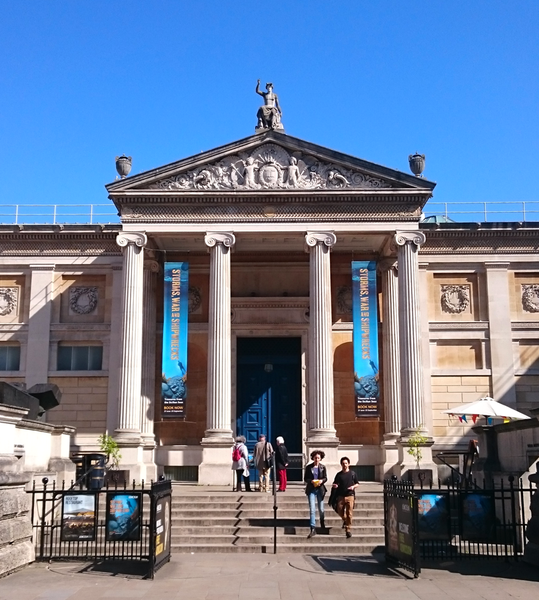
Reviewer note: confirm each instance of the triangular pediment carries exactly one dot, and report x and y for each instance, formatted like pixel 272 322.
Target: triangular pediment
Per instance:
pixel 270 161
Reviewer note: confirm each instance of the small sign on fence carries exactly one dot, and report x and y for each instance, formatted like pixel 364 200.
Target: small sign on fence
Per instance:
pixel 433 516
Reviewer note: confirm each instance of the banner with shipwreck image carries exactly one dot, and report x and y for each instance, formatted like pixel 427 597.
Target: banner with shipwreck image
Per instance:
pixel 175 323
pixel 364 313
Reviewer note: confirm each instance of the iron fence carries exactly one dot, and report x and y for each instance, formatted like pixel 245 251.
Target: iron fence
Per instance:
pixel 111 524
pixel 463 520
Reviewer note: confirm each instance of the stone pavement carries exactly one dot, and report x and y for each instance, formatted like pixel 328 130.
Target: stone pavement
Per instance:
pixel 276 577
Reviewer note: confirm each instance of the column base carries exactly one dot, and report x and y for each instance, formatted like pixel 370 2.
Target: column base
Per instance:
pixel 410 467
pixel 216 466
pixel 127 437
pixel 390 457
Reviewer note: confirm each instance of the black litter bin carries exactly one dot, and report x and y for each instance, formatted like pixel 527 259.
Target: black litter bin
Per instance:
pixel 96 476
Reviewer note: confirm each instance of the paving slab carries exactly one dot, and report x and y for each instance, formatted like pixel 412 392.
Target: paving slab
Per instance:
pixel 275 577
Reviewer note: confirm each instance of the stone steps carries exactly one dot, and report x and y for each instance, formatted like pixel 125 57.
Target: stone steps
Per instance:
pixel 207 521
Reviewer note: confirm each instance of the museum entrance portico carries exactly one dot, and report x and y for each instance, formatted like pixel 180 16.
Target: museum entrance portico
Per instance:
pixel 271 258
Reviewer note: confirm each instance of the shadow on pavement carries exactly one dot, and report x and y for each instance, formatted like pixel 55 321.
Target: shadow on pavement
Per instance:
pixel 355 565
pixel 486 568
pixel 121 568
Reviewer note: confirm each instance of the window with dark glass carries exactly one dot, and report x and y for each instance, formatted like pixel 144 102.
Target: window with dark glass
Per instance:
pixel 10 358
pixel 80 358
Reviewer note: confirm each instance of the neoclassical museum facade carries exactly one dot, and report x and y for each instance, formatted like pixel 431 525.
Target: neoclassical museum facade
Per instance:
pixel 269 229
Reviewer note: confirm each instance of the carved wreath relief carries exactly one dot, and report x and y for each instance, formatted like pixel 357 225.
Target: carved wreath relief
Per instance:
pixel 530 298
pixel 83 300
pixel 195 299
pixel 270 167
pixel 455 299
pixel 9 297
pixel 344 300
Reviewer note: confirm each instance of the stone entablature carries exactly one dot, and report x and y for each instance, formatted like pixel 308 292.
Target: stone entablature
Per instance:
pixel 274 210
pixel 35 242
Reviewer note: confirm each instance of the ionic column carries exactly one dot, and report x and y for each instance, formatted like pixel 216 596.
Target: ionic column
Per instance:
pixel 217 441
pixel 320 397
pixel 151 268
pixel 219 340
pixel 391 353
pixel 413 418
pixel 128 428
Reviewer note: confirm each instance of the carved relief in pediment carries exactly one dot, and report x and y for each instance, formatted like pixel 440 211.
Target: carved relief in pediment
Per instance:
pixel 270 166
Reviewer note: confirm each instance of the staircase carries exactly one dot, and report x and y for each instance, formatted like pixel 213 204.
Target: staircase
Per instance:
pixel 209 520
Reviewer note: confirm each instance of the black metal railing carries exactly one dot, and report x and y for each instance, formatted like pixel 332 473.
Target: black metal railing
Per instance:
pixel 111 524
pixel 466 520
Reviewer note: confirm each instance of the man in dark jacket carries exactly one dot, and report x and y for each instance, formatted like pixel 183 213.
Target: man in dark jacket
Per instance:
pixel 345 483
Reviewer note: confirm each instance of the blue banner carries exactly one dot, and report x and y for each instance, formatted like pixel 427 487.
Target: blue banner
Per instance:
pixel 175 321
pixel 364 312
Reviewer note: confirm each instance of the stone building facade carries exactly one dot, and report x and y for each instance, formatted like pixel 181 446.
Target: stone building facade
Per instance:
pixel 270 226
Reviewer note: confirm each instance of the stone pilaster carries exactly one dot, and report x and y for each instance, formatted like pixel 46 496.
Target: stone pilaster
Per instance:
pixel 217 441
pixel 39 325
pixel 321 426
pixel 391 365
pixel 411 371
pixel 500 334
pixel 151 269
pixel 128 431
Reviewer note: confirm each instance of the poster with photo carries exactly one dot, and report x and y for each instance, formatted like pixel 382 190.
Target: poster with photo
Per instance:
pixel 433 516
pixel 477 516
pixel 78 517
pixel 123 516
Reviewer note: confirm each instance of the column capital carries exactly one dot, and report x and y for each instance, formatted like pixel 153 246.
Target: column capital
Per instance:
pixel 151 265
pixel 312 238
pixel 415 237
pixel 386 264
pixel 212 238
pixel 124 238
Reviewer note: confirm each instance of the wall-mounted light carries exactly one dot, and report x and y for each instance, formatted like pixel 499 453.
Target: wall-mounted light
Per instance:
pixel 268 367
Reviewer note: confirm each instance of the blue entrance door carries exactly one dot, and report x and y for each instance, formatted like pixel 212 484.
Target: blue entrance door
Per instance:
pixel 269 390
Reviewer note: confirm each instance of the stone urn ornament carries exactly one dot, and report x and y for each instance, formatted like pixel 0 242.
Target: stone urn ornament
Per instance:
pixel 123 165
pixel 417 163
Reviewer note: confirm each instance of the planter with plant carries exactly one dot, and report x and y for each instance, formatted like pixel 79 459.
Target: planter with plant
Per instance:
pixel 109 446
pixel 415 443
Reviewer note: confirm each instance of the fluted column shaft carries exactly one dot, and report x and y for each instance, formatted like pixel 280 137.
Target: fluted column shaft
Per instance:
pixel 408 244
pixel 219 339
pixel 391 353
pixel 131 341
pixel 151 268
pixel 321 395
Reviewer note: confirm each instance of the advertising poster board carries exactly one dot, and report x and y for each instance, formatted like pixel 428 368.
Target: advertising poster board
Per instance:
pixel 365 337
pixel 123 516
pixel 175 324
pixel 162 528
pixel 400 524
pixel 433 516
pixel 79 517
pixel 477 516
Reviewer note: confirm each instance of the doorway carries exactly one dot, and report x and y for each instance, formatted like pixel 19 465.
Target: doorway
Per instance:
pixel 269 390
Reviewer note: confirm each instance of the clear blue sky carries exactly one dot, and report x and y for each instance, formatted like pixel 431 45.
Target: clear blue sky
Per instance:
pixel 86 80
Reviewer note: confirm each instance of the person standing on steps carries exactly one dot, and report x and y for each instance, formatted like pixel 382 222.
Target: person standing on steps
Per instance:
pixel 315 477
pixel 345 483
pixel 281 462
pixel 262 459
pixel 240 464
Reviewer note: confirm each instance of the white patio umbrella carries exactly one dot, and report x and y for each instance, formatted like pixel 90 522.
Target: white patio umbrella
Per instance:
pixel 485 407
